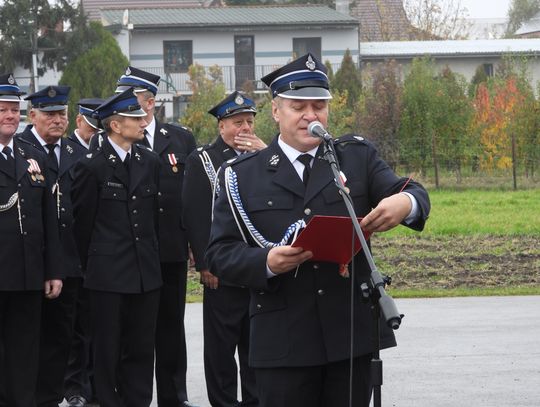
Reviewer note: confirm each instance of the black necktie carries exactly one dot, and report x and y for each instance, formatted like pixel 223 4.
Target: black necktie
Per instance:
pixel 145 141
pixel 53 161
pixel 10 161
pixel 127 162
pixel 306 160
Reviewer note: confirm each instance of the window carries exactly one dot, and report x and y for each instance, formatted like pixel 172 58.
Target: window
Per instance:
pixel 488 69
pixel 178 55
pixel 302 46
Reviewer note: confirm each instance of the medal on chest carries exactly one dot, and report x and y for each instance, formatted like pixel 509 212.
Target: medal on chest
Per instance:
pixel 173 162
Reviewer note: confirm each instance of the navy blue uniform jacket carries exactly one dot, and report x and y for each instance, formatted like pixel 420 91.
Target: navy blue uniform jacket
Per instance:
pixel 302 319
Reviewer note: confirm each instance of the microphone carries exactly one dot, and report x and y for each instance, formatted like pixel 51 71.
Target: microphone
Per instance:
pixel 316 129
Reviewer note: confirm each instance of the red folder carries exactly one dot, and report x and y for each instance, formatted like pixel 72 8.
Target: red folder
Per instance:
pixel 330 239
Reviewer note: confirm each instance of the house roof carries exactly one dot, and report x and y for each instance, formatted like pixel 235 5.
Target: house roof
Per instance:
pixel 92 7
pixel 155 18
pixel 382 21
pixel 530 26
pixel 411 49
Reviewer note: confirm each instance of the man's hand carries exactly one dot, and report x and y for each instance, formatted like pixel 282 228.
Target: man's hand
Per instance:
pixel 248 142
pixel 53 288
pixel 388 214
pixel 209 280
pixel 282 259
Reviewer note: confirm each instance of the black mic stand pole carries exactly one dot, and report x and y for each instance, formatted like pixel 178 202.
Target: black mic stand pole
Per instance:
pixel 381 301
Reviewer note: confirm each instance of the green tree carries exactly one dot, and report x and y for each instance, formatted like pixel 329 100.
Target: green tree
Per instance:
pixel 95 72
pixel 207 90
pixel 348 78
pixel 379 113
pixel 519 12
pixel 479 77
pixel 29 25
pixel 419 113
pixel 265 126
pixel 455 146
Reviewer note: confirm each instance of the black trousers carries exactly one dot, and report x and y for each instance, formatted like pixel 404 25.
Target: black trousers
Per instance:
pixel 226 329
pixel 79 378
pixel 123 327
pixel 20 316
pixel 171 355
pixel 315 386
pixel 57 317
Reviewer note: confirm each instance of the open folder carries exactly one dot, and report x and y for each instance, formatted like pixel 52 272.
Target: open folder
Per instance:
pixel 330 239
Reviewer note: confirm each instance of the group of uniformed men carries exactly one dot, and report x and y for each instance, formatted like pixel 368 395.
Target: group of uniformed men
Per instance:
pixel 94 236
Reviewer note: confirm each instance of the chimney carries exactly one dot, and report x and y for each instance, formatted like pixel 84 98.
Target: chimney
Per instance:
pixel 342 6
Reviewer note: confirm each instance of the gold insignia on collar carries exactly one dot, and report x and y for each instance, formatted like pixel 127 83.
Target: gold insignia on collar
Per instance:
pixel 21 151
pixel 137 156
pixel 274 160
pixel 69 149
pixel 89 155
pixel 112 157
pixel 163 131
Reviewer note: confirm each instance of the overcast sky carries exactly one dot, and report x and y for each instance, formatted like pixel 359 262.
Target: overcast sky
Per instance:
pixel 487 8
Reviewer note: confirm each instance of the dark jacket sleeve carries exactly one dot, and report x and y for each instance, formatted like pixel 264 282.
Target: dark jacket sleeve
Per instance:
pixel 53 266
pixel 84 195
pixel 197 208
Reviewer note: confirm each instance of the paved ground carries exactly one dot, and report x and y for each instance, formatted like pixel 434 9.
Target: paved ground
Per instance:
pixel 453 352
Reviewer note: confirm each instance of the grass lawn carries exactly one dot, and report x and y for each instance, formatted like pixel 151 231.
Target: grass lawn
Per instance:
pixel 476 242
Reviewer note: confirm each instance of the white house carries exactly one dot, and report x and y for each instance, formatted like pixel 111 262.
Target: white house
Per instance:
pixel 462 57
pixel 246 42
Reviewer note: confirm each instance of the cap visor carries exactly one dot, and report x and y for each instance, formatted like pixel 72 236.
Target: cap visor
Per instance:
pixel 306 93
pixel 134 113
pixel 9 98
pixel 238 111
pixel 91 122
pixel 52 108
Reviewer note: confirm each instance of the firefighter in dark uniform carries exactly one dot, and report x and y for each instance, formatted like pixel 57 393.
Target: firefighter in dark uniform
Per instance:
pixel 87 126
pixel 115 204
pixel 49 117
pixel 79 378
pixel 29 254
pixel 173 144
pixel 225 305
pixel 300 309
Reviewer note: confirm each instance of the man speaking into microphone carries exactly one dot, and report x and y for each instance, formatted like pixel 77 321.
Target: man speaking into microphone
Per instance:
pixel 301 309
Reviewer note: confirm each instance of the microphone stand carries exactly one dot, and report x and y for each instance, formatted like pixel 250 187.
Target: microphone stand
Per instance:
pixel 382 302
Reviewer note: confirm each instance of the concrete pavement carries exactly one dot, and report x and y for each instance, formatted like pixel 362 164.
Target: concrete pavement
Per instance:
pixel 452 352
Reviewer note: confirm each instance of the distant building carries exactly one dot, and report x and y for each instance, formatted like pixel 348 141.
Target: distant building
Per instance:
pixel 530 28
pixel 486 28
pixel 462 57
pixel 245 42
pixel 381 20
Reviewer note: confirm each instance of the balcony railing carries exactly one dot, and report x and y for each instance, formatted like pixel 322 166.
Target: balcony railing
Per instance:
pixel 233 77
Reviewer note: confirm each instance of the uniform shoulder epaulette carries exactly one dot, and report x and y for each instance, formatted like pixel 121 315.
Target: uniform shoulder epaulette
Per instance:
pixel 351 138
pixel 242 157
pixel 178 126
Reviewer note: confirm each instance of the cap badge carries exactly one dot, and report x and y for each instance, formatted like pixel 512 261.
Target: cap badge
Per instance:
pixel 11 80
pixel 310 63
pixel 239 100
pixel 274 160
pixel 51 93
pixel 128 71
